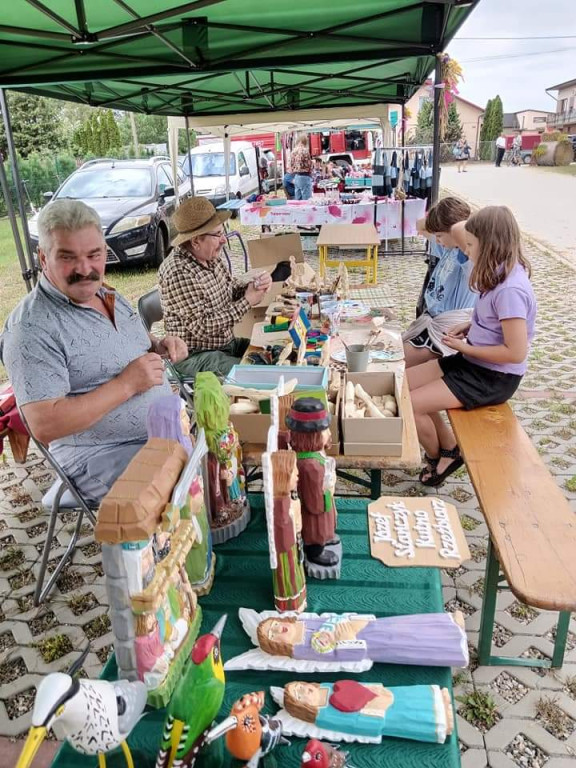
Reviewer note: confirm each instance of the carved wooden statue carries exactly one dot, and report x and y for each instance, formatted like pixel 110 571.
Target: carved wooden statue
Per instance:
pixel 308 422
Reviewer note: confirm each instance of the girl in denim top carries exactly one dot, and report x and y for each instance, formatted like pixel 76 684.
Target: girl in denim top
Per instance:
pixel 448 299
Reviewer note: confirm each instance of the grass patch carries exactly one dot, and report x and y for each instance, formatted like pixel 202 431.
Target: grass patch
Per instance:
pixel 554 719
pixel 570 484
pixel 52 648
pixel 570 683
pixel 459 678
pixel 479 709
pixel 13 558
pixel 469 523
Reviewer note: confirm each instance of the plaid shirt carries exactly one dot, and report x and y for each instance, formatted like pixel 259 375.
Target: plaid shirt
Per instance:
pixel 201 302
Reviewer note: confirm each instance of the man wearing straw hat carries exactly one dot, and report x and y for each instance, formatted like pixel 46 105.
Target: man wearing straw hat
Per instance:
pixel 201 300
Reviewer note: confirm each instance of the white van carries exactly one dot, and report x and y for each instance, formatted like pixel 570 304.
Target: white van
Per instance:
pixel 208 170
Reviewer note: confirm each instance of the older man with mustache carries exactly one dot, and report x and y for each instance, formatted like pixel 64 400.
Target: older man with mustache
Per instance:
pixel 83 367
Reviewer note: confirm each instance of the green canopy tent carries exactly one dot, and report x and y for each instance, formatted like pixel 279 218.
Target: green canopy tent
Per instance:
pixel 217 57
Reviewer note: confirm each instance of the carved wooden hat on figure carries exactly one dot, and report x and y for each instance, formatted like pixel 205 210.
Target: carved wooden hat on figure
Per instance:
pixel 308 414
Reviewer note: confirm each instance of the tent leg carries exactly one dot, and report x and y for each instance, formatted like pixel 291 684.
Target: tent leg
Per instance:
pixel 18 184
pixel 186 121
pixel 26 275
pixel 438 94
pixel 227 161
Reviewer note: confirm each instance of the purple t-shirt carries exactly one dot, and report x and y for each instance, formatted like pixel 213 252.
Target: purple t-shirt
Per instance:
pixel 512 298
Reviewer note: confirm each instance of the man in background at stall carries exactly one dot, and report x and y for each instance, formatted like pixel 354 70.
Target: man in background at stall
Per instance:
pixel 500 149
pixel 201 301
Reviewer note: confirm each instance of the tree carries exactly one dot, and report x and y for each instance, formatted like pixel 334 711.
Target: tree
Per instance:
pixel 151 129
pixel 496 118
pixel 486 120
pixel 35 124
pixel 453 126
pixel 425 124
pixel 491 127
pixel 98 135
pixel 183 144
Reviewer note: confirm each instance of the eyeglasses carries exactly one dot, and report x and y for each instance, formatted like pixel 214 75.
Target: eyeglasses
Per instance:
pixel 219 235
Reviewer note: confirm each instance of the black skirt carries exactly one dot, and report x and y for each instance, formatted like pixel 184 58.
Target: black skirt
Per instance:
pixel 474 385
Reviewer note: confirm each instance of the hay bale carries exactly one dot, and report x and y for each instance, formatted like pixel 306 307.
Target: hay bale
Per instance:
pixel 557 153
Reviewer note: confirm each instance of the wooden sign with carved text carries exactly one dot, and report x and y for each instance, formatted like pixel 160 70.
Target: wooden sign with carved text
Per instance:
pixel 416 532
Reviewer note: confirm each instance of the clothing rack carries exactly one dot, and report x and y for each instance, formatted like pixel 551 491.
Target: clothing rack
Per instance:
pixel 424 148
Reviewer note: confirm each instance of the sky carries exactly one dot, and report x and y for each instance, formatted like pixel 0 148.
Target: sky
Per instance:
pixel 518 69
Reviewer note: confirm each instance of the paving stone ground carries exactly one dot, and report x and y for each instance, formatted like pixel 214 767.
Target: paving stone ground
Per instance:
pixel 529 719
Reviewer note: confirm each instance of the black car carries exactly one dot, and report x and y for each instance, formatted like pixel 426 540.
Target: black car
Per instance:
pixel 135 200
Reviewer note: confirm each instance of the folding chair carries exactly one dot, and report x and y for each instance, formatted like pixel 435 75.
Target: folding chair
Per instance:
pixel 150 311
pixel 62 495
pixel 235 235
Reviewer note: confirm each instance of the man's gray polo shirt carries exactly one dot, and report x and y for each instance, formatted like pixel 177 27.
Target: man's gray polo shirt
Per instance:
pixel 53 348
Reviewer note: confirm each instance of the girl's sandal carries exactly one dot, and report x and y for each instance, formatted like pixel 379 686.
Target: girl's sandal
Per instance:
pixel 436 478
pixel 430 468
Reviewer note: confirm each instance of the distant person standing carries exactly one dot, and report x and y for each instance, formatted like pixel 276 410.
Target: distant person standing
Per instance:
pixel 301 165
pixel 500 149
pixel 462 154
pixel 516 150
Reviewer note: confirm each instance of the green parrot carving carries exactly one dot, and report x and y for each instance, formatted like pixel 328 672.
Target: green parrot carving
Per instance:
pixel 195 702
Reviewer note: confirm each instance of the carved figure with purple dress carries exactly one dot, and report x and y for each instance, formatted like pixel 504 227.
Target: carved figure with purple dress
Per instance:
pixel 350 642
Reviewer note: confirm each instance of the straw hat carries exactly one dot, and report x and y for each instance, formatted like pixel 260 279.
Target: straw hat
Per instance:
pixel 196 216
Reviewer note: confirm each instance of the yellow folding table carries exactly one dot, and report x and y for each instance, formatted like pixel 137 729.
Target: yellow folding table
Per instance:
pixel 352 236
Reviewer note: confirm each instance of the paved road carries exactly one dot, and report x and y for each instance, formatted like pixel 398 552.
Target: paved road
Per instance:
pixel 543 202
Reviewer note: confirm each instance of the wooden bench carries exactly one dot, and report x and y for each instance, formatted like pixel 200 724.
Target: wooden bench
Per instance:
pixel 532 528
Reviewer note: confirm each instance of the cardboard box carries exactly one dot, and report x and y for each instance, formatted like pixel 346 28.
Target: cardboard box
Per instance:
pixel 266 252
pixel 334 449
pixel 372 436
pixel 269 251
pixel 253 427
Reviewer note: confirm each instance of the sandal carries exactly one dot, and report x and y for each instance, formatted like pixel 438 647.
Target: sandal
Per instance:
pixel 431 464
pixel 435 478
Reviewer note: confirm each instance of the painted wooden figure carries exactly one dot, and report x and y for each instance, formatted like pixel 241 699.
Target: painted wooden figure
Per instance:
pixel 368 711
pixel 93 716
pixel 308 422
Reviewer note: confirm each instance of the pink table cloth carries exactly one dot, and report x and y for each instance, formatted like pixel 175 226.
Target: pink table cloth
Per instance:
pixel 305 214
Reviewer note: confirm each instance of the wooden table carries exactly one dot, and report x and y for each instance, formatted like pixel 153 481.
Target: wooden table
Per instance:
pixel 357 236
pixel 243 578
pixel 373 465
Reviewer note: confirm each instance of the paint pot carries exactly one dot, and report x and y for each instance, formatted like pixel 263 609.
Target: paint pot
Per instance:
pixel 357 358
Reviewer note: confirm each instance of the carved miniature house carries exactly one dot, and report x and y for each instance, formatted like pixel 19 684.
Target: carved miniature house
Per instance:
pixel 148 532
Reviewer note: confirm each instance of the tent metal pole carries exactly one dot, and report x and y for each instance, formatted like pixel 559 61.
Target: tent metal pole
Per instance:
pixel 18 184
pixel 227 161
pixel 438 94
pixel 187 124
pixel 14 224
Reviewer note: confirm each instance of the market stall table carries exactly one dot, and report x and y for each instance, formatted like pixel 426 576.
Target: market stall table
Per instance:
pixel 243 579
pixel 354 237
pixel 374 465
pixel 386 214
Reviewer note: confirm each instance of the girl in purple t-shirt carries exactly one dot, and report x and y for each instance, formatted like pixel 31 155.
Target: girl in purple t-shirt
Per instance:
pixel 491 350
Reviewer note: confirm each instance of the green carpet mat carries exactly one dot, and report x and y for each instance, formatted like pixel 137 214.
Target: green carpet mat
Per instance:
pixel 243 579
